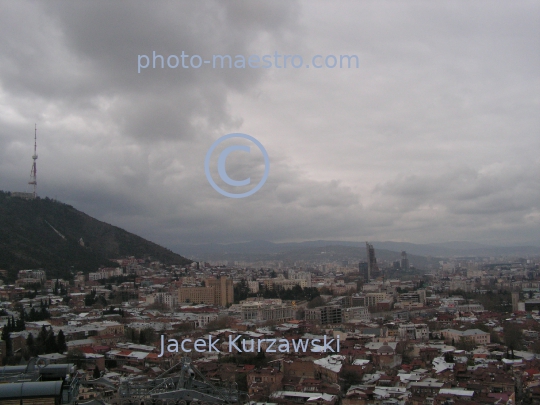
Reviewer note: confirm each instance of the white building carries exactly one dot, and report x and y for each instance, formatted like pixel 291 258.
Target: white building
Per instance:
pixel 412 331
pixel 355 313
pixel 301 275
pixel 170 300
pixel 26 277
pixel 253 286
pixel 105 273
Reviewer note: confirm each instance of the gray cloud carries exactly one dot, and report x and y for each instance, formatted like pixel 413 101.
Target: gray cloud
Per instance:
pixel 433 138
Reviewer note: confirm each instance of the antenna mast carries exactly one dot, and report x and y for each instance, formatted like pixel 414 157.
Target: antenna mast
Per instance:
pixel 33 172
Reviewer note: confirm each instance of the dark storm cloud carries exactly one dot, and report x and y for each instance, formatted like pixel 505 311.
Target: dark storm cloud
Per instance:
pixel 88 50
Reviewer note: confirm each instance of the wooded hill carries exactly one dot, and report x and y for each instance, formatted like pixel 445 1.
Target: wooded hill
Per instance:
pixel 44 233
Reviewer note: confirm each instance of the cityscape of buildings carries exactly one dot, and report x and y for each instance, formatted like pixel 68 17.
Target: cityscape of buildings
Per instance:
pixel 467 332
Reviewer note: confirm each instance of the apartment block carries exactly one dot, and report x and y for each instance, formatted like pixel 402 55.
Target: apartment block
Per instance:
pixel 257 311
pixel 474 335
pixel 218 291
pixel 26 277
pixel 373 298
pixel 411 331
pixel 355 313
pixel 331 314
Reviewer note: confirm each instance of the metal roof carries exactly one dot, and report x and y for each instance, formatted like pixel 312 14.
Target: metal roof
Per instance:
pixel 51 370
pixel 31 389
pixel 61 369
pixel 12 369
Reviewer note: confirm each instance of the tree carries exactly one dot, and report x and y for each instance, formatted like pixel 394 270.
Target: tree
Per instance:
pixel 535 347
pixel 326 291
pixel 146 336
pixel 494 337
pixel 316 302
pixel 102 301
pixel 185 327
pixel 30 340
pixel 131 334
pixel 513 337
pixel 466 344
pixel 43 343
pixel 90 299
pixel 96 373
pixel 142 338
pixel 158 306
pixel 296 291
pixel 6 337
pixel 268 293
pixel 20 325
pixel 40 315
pixel 50 343
pixel 241 291
pixel 42 334
pixel 76 356
pixel 30 346
pixel 222 322
pixel 349 378
pixel 241 381
pixel 61 342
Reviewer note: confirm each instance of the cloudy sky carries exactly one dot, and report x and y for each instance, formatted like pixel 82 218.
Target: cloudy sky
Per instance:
pixel 434 137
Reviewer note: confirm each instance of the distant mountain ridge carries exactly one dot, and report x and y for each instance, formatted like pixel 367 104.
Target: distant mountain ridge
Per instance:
pixel 44 233
pixel 442 250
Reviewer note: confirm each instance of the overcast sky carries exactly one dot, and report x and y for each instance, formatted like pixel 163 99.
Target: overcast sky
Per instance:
pixel 434 137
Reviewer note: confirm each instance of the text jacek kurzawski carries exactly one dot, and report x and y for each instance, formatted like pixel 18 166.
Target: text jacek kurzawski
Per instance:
pixel 242 345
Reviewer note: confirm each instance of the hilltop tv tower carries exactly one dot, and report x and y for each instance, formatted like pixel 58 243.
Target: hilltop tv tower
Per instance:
pixel 33 172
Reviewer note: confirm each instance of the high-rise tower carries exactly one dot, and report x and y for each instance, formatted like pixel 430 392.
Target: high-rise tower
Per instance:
pixel 404 263
pixel 364 271
pixel 373 268
pixel 33 172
